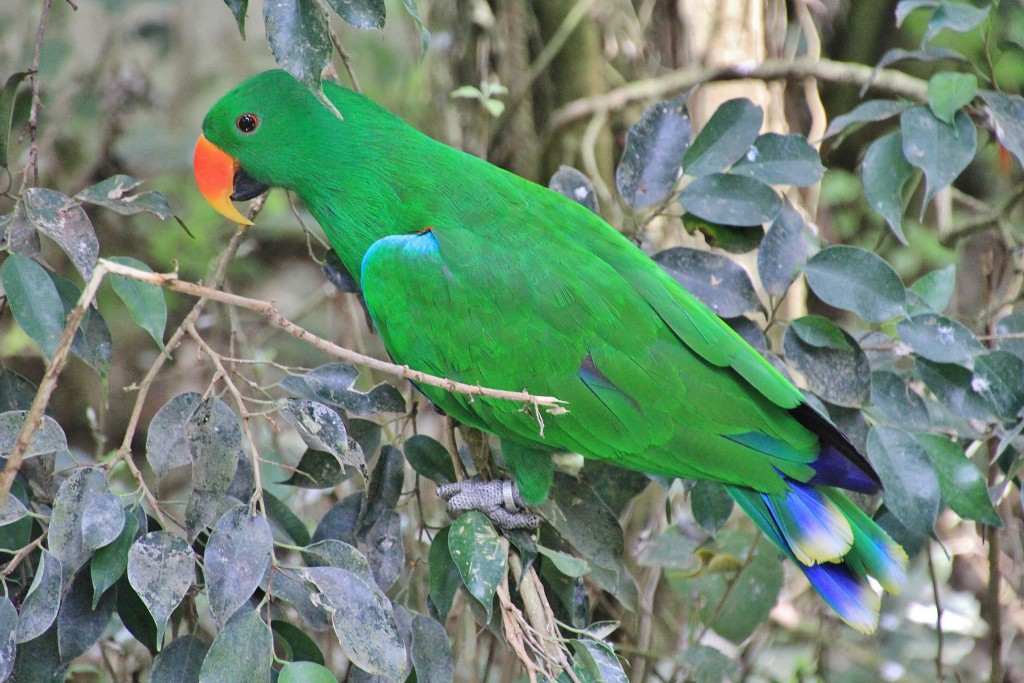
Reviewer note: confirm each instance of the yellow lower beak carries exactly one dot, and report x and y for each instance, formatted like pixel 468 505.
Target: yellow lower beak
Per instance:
pixel 215 176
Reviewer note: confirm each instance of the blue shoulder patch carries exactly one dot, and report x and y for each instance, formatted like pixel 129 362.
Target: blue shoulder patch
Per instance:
pixel 416 245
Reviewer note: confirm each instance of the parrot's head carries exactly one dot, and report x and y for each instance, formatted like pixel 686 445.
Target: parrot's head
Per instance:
pixel 258 136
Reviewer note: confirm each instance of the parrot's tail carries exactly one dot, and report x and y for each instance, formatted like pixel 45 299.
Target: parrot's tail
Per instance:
pixel 835 544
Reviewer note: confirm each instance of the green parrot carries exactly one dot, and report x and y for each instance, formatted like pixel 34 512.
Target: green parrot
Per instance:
pixel 472 273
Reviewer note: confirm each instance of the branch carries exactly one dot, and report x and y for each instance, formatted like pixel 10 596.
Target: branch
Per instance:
pixel 269 311
pixel 888 81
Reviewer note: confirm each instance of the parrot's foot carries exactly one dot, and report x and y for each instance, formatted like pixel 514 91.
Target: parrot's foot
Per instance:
pixel 499 500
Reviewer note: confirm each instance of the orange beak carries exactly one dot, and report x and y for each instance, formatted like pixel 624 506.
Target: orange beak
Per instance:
pixel 215 176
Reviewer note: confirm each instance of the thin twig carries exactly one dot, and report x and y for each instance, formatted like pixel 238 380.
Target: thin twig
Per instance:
pixel 269 311
pixel 346 59
pixel 938 613
pixel 886 80
pixel 20 556
pixel 33 114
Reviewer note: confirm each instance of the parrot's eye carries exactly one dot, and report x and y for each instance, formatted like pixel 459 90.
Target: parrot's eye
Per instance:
pixel 247 123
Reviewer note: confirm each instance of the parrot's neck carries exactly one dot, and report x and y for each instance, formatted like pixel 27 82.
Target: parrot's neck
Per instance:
pixel 396 182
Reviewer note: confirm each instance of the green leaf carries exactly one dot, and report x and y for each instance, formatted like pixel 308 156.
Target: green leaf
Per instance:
pixel 822 333
pixel 214 436
pixel 725 138
pixel 11 511
pixel 939 339
pixel 480 556
pixel 281 517
pixel 363 621
pixel 997 377
pixel 1007 113
pixel 444 576
pixel 570 566
pixel 331 552
pixel 318 470
pixel 583 520
pixel 299 37
pixel 954 386
pixel 180 661
pixel 237 554
pixel 364 14
pixel 39 609
pixel 145 302
pixel 410 7
pixel 905 7
pixel 885 172
pixel 730 238
pixel 431 650
pixel 1010 333
pixel 719 282
pixel 384 549
pixel 8 648
pixel 322 429
pixel 161 568
pixel 705 664
pixel 7 97
pixel 331 384
pixel 866 112
pixel 895 403
pixel 711 504
pixel 384 487
pixel 962 484
pixel 781 160
pixel 305 672
pixel 929 53
pixel 92 341
pixel 65 529
pixel 102 520
pixel 840 376
pixel 573 184
pixel 856 280
pixel 911 485
pixel 783 251
pixel 110 561
pixel 949 92
pixel 957 17
pixel 301 647
pixel 48 438
pixel 113 193
pixel 82 620
pixel 292 586
pixel 731 199
pixel 942 150
pixel 653 155
pixel 242 651
pixel 737 602
pixel 936 288
pixel 34 301
pixel 64 221
pixel 430 458
pixel 598 660
pixel 166 442
pixel 673 550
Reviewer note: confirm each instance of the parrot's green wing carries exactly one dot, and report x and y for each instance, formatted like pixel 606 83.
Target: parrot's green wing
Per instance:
pixel 653 380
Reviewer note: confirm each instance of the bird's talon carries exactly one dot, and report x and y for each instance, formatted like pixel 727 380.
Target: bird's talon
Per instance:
pixel 499 500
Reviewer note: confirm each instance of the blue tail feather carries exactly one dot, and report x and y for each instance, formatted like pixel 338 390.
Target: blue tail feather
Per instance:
pixel 833 542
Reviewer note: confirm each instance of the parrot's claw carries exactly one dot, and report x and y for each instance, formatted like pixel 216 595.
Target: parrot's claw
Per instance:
pixel 499 500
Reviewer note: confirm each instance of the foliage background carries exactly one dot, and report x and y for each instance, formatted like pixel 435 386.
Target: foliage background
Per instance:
pixel 124 85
